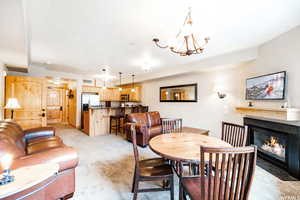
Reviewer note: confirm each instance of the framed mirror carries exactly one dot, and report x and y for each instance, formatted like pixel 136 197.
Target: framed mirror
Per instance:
pixel 179 93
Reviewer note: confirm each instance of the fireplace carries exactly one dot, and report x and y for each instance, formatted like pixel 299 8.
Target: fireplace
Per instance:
pixel 277 141
pixel 270 145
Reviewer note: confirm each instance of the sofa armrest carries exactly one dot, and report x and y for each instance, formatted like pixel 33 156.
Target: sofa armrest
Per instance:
pixel 171 125
pixel 39 132
pixel 141 129
pixel 66 157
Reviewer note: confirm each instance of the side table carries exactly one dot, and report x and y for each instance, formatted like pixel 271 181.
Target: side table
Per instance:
pixel 29 182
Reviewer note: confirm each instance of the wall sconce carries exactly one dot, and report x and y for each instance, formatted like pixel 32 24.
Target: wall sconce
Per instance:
pixel 220 90
pixel 6 161
pixel 221 95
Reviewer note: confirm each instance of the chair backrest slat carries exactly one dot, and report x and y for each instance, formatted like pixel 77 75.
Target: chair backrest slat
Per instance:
pixel 234 134
pixel 228 172
pixel 172 125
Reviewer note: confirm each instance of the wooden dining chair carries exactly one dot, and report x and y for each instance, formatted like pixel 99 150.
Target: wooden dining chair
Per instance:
pixel 225 174
pixel 234 134
pixel 155 169
pixel 171 125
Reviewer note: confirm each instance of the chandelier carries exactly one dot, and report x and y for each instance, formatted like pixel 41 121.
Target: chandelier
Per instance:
pixel 185 43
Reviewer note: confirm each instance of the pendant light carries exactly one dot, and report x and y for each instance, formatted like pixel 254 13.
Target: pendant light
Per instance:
pixel 132 88
pixel 120 74
pixel 104 85
pixel 104 79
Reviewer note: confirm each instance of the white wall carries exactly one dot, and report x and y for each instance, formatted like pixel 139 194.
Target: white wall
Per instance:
pixel 2 75
pixel 282 53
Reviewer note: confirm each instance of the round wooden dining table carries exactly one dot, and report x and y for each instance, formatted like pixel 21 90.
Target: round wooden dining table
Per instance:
pixel 183 147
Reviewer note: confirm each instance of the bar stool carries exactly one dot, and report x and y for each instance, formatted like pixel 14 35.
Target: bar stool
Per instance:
pixel 115 120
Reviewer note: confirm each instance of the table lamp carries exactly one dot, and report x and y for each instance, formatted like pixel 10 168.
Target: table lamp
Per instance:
pixel 12 104
pixel 5 162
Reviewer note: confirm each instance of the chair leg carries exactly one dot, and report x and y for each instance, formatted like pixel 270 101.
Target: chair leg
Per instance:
pixel 136 187
pixel 180 191
pixel 118 126
pixel 172 187
pixel 182 194
pixel 110 125
pixel 133 181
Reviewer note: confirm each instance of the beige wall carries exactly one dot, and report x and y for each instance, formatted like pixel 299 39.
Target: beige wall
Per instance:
pixel 282 53
pixel 2 73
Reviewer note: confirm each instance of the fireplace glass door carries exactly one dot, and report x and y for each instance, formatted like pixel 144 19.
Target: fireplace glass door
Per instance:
pixel 271 143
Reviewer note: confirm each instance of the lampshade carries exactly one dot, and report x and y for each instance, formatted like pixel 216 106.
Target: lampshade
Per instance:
pixel 12 104
pixel 6 161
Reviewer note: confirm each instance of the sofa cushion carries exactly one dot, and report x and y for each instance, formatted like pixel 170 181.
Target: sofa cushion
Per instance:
pixel 66 157
pixel 42 139
pixel 155 130
pixel 44 145
pixel 153 118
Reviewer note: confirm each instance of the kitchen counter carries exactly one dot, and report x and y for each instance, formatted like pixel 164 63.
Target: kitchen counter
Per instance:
pixel 97 119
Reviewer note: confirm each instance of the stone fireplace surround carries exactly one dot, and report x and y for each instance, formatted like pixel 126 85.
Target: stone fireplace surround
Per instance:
pixel 288 130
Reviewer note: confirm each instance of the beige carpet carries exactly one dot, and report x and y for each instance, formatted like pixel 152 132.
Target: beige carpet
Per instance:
pixel 106 166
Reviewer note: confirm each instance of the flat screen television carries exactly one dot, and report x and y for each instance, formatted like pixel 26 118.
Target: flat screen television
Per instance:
pixel 266 87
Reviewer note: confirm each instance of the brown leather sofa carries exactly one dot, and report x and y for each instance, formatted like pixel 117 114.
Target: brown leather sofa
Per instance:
pixel 37 146
pixel 148 125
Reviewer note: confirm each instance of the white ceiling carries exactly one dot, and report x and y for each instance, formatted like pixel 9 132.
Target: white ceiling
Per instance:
pixel 83 36
pixel 12 33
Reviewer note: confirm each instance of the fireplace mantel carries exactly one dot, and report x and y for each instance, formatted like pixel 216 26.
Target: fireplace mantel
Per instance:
pixel 288 129
pixel 263 112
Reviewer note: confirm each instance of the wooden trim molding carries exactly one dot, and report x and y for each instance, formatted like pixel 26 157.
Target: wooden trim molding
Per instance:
pixel 263 112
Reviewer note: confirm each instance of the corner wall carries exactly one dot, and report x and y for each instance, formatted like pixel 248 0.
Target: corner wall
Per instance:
pixel 279 54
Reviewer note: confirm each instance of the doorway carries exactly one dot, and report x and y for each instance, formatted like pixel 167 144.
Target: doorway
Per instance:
pixel 56 108
pixel 61 102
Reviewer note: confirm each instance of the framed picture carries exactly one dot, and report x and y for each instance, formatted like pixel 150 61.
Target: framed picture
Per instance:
pixel 179 93
pixel 266 87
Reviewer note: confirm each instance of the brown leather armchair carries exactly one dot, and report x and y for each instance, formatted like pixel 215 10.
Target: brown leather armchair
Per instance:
pixel 149 125
pixel 37 146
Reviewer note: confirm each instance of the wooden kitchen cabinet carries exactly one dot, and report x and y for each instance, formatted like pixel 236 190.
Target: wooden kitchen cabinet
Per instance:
pixel 113 94
pixel 133 96
pixel 110 94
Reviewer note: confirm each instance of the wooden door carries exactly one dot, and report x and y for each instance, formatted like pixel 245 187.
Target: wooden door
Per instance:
pixel 72 109
pixel 55 99
pixel 31 94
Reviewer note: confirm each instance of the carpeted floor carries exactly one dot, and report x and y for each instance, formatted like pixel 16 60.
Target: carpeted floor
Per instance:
pixel 106 167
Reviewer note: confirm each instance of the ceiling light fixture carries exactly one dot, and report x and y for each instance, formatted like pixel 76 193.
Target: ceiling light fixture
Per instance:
pixel 104 85
pixel 132 88
pixel 104 79
pixel 120 74
pixel 189 45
